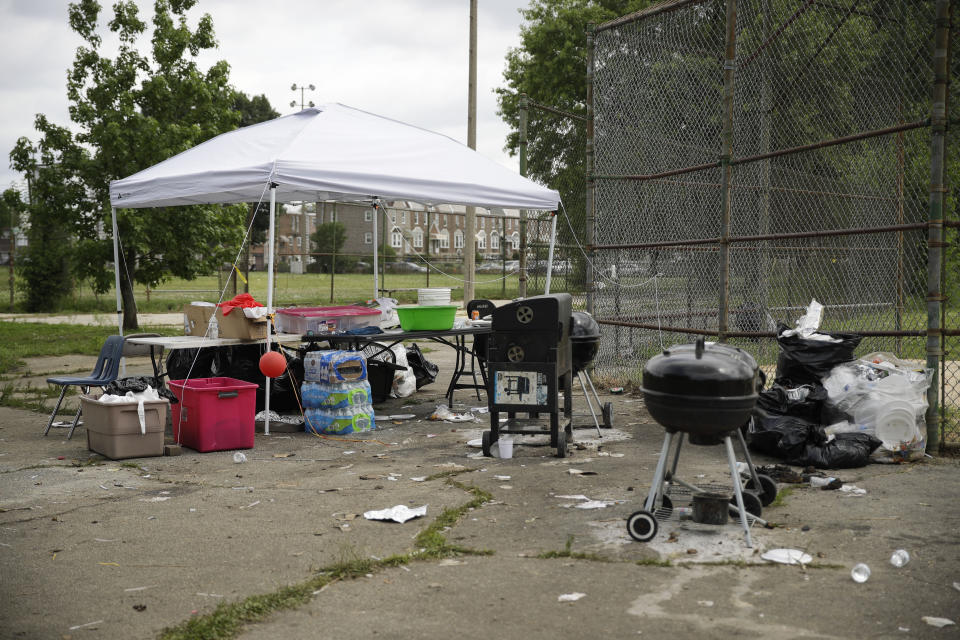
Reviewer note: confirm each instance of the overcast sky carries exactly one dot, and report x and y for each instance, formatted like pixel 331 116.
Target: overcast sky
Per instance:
pixel 405 59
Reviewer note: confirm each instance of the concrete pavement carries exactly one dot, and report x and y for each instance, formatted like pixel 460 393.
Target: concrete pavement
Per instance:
pixel 92 548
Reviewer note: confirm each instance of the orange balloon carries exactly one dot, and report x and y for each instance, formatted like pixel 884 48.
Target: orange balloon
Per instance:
pixel 273 364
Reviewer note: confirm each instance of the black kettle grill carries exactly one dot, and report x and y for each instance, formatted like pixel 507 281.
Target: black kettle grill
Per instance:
pixel 584 344
pixel 708 392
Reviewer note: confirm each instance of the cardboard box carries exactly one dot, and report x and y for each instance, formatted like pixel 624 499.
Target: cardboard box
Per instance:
pixel 237 325
pixel 209 321
pixel 197 321
pixel 113 429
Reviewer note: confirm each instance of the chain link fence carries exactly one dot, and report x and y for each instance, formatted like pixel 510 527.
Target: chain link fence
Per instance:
pixel 748 161
pixel 554 147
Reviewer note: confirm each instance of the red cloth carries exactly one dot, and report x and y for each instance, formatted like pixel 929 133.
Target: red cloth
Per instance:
pixel 242 301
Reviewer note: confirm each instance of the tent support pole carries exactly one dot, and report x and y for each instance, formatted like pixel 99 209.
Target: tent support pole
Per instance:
pixel 553 241
pixel 273 214
pixel 376 276
pixel 116 281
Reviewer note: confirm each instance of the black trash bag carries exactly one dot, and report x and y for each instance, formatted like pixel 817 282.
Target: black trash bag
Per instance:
pixel 804 361
pixel 181 365
pixel 805 401
pixel 139 384
pixel 845 451
pixel 243 363
pixel 423 370
pixel 784 437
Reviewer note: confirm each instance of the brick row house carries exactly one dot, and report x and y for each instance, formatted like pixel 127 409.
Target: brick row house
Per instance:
pixel 409 228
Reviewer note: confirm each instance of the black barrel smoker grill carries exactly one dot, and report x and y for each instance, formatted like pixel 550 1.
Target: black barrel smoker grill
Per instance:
pixel 529 362
pixel 706 391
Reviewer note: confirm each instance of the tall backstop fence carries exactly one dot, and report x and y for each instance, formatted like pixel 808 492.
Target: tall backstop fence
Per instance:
pixel 552 151
pixel 748 156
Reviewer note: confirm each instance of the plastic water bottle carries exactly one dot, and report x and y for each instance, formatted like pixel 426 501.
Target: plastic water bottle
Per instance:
pixel 239 457
pixel 860 573
pixel 899 558
pixel 817 481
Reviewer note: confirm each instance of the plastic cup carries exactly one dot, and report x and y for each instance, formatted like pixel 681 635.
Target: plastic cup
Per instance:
pixel 502 448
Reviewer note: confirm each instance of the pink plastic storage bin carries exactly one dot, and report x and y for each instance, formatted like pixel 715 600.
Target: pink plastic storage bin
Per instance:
pixel 214 414
pixel 312 319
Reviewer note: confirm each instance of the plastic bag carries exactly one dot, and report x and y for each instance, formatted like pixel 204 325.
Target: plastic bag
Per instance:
pixel 886 397
pixel 404 382
pixel 424 371
pixel 844 451
pixel 388 313
pixel 784 437
pixel 805 402
pixel 808 361
pixel 139 384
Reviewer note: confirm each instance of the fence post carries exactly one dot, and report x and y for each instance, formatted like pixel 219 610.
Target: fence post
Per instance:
pixel 522 279
pixel 938 119
pixel 729 63
pixel 590 217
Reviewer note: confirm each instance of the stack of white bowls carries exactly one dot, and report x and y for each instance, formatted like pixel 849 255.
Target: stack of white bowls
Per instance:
pixel 432 297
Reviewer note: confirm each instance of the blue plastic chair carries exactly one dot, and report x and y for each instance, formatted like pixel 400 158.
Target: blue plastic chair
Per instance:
pixel 105 372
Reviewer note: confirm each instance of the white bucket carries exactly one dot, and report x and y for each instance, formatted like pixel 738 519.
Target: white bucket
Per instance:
pixel 432 297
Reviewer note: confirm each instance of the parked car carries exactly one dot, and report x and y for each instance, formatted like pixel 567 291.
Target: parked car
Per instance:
pixel 489 267
pixel 405 266
pixel 512 265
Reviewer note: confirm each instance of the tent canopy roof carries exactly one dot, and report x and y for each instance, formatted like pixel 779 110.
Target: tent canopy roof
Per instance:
pixel 332 152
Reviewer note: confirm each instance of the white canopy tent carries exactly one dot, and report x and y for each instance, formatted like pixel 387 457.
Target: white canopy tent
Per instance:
pixel 331 152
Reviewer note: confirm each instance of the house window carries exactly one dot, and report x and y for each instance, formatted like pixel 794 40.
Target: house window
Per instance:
pixel 444 219
pixel 515 241
pixel 458 240
pixel 368 238
pixel 457 218
pixel 295 224
pixel 494 240
pixel 396 239
pixel 403 217
pixel 299 242
pixel 483 223
pixel 416 217
pixel 418 237
pixel 444 240
pixel 393 217
pixel 368 215
pixel 481 240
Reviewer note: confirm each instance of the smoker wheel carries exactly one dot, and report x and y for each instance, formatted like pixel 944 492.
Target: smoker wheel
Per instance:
pixel 767 491
pixel 608 415
pixel 642 526
pixel 515 353
pixel 524 314
pixel 750 501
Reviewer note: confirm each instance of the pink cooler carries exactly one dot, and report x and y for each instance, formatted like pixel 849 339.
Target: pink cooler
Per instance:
pixel 214 414
pixel 321 319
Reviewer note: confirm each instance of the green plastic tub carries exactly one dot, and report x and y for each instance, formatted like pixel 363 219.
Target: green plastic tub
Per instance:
pixel 427 318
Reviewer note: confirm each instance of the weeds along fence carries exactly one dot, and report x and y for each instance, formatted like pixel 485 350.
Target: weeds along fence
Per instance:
pixel 751 155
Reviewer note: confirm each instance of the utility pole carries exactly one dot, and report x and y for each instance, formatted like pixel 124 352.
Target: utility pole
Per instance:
pixel 470 251
pixel 304 256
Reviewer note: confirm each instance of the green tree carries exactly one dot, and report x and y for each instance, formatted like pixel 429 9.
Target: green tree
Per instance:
pixel 253 110
pixel 130 112
pixel 329 238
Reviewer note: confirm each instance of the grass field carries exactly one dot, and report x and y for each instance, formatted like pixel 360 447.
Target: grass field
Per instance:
pixel 293 289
